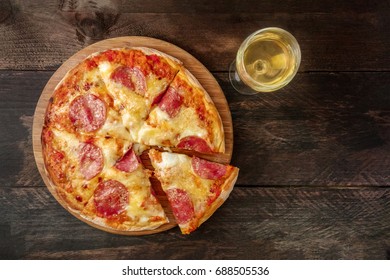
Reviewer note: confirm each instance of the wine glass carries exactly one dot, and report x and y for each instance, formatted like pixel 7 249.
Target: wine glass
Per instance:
pixel 266 61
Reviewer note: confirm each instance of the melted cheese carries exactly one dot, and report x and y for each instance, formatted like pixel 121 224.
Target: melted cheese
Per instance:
pixel 155 87
pixel 133 108
pixel 92 76
pixel 169 160
pixel 175 171
pixel 160 128
pixel 191 125
pixel 79 190
pixel 142 205
pixel 114 127
pixel 133 113
pixel 67 143
pixel 105 69
pixel 112 149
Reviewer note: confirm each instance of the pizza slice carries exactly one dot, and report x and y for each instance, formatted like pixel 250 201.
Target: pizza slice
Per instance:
pixel 136 79
pixel 195 188
pixel 124 200
pixel 75 163
pixel 185 118
pixel 81 104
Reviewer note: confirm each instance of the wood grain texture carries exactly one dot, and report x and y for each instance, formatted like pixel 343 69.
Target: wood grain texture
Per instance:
pixel 279 223
pixel 19 93
pixel 322 129
pixel 332 35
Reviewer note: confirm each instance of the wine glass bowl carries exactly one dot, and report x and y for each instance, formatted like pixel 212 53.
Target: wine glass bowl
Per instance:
pixel 266 61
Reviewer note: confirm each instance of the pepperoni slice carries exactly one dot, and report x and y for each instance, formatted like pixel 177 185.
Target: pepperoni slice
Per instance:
pixel 194 143
pixel 87 112
pixel 129 162
pixel 181 204
pixel 208 170
pixel 171 102
pixel 111 198
pixel 91 160
pixel 130 77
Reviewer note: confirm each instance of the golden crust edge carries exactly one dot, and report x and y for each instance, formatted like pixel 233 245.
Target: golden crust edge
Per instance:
pixel 172 61
pixel 101 222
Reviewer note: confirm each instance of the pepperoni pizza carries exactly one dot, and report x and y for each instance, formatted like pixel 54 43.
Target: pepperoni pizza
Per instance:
pixel 108 110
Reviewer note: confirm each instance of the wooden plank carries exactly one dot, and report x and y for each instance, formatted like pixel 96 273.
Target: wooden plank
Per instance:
pixel 336 134
pixel 251 6
pixel 254 223
pixel 322 129
pixel 43 35
pixel 201 6
pixel 19 93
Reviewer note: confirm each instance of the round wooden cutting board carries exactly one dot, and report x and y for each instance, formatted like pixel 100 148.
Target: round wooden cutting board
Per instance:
pixel 192 64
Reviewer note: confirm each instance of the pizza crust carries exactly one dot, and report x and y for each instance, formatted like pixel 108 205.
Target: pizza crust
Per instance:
pixel 126 226
pixel 173 61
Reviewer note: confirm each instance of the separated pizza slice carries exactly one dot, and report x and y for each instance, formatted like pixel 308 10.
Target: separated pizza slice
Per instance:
pixel 136 79
pixel 81 104
pixel 195 188
pixel 185 118
pixel 123 199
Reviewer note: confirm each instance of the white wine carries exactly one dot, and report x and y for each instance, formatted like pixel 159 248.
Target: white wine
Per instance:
pixel 267 60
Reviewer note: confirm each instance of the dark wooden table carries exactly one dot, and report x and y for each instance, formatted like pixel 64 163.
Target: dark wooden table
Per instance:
pixel 314 156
